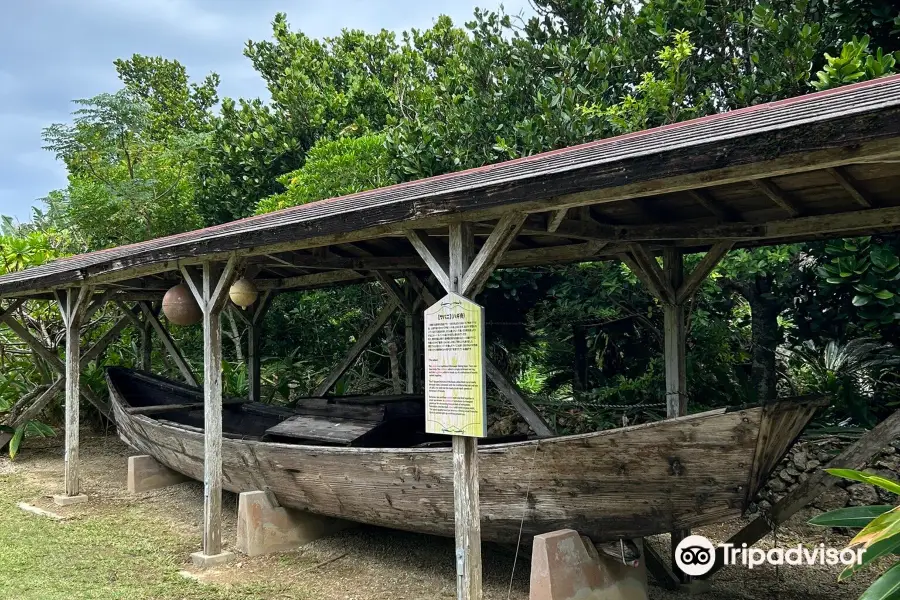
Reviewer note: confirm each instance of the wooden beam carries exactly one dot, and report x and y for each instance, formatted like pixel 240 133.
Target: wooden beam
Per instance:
pixel 38 405
pixel 466 507
pixel 712 258
pixel 254 345
pixel 168 343
pixel 675 343
pixel 309 281
pixel 214 290
pixel 675 359
pixel 845 181
pixel 657 567
pixel 722 212
pixel 491 253
pixel 105 340
pixel 353 354
pixel 848 223
pixel 50 358
pixel 569 252
pixel 556 217
pixel 73 310
pixel 511 392
pixel 777 196
pixel 644 270
pixel 394 291
pixel 853 457
pixel 433 255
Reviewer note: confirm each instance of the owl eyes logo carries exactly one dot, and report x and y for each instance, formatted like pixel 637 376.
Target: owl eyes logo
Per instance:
pixel 695 555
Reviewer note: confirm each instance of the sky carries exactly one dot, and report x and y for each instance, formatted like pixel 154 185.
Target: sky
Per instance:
pixel 54 51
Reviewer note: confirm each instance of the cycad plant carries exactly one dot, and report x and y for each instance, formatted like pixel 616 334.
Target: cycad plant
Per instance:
pixel 879 537
pixel 851 374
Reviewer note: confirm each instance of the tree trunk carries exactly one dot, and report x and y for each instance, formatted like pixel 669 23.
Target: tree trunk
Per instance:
pixel 764 340
pixel 764 334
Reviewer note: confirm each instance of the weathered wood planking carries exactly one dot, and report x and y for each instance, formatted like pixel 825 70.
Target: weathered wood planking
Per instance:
pixel 629 482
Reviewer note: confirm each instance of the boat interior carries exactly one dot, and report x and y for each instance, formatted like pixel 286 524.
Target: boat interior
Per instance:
pixel 395 421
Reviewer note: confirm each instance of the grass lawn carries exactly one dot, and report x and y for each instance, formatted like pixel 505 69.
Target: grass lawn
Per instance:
pixel 119 553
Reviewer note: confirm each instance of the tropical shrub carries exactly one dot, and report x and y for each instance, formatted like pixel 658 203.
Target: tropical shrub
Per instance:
pixel 878 538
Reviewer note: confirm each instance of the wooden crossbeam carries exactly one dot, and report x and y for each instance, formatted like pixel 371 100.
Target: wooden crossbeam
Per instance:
pixel 491 253
pixel 50 358
pixel 648 271
pixel 706 265
pixel 845 181
pixel 309 281
pixel 394 291
pixel 555 219
pixel 434 256
pixel 357 349
pixel 777 196
pixel 168 343
pixel 840 224
pixel 511 391
pixel 703 198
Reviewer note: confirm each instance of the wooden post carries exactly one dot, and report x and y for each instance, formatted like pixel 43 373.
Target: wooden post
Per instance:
pixel 676 386
pixel 146 358
pixel 254 337
pixel 211 293
pixel 465 451
pixel 73 305
pixel 675 360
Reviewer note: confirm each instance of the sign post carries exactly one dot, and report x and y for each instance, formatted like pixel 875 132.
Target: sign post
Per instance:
pixel 455 377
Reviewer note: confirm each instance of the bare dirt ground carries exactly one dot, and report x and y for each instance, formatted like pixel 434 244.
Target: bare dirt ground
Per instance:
pixel 368 563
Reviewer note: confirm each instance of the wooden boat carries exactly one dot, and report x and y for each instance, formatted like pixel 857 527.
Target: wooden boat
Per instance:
pixel 355 458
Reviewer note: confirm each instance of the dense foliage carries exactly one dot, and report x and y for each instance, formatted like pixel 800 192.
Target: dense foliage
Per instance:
pixel 362 110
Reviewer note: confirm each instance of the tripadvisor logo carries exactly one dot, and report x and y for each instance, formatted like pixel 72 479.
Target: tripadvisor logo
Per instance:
pixel 695 555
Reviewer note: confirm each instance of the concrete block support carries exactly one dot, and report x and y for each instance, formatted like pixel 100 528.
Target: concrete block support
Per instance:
pixel 564 567
pixel 264 526
pixel 145 473
pixel 208 561
pixel 64 500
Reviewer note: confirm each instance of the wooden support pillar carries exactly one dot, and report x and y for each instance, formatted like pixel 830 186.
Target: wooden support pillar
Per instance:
pixel 669 285
pixel 254 343
pixel 465 450
pixel 675 342
pixel 146 330
pixel 211 292
pixel 73 305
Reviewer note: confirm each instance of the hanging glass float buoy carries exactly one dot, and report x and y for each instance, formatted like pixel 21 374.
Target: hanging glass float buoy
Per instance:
pixel 243 292
pixel 180 306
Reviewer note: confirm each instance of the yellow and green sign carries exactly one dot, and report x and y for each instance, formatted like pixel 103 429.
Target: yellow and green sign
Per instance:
pixel 455 384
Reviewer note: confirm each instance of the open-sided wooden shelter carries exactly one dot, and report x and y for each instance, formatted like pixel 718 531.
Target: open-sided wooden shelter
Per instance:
pixel 814 167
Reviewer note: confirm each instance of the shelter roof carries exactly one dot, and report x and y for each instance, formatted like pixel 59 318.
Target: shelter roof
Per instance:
pixel 816 166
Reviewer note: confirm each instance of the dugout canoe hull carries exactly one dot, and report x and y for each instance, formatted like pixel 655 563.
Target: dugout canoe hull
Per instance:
pixel 631 482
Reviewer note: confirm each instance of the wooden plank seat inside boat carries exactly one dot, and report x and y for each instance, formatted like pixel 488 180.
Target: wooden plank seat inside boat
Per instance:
pixel 333 421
